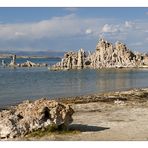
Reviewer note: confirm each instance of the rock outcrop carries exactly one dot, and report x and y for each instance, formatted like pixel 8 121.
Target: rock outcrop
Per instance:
pixel 13 61
pixel 27 117
pixel 106 55
pixel 27 64
pixel 71 60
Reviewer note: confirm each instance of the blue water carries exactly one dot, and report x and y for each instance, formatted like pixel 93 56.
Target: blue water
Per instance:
pixel 20 84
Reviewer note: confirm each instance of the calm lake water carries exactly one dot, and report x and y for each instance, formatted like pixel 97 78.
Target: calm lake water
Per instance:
pixel 20 84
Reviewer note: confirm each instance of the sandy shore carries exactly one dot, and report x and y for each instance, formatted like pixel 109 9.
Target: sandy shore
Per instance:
pixel 108 116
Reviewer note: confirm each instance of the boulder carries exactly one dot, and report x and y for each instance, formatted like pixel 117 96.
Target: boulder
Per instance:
pixel 27 117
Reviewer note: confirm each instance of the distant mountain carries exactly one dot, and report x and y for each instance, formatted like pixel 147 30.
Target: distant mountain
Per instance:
pixel 35 53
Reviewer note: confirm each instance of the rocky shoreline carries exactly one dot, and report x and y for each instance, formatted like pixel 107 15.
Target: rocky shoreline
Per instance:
pixel 93 117
pixel 137 94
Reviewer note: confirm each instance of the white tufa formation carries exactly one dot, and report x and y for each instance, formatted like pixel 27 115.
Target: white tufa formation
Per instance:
pixel 28 117
pixel 106 55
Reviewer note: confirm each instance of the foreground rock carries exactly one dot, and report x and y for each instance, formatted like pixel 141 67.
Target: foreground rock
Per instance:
pixel 121 115
pixel 106 55
pixel 27 117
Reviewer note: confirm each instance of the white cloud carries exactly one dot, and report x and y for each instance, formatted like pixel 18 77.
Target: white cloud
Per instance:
pixel 34 34
pixel 129 24
pixel 19 34
pixel 72 9
pixel 69 25
pixel 119 27
pixel 136 44
pixel 110 28
pixel 88 31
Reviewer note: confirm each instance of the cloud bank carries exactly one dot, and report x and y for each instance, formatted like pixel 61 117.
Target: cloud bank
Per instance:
pixel 71 31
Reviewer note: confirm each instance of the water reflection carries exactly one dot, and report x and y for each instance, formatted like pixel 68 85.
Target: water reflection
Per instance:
pixel 114 79
pixel 20 84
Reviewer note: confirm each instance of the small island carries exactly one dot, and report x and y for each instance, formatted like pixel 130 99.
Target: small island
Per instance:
pixel 28 63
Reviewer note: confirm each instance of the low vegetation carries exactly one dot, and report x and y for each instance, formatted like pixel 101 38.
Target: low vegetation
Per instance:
pixel 51 130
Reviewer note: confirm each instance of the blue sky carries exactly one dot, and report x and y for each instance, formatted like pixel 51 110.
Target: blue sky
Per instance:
pixel 62 29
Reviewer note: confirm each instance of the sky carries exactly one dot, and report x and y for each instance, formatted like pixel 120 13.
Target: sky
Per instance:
pixel 63 29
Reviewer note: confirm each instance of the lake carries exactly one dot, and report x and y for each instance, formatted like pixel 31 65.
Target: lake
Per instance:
pixel 20 84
